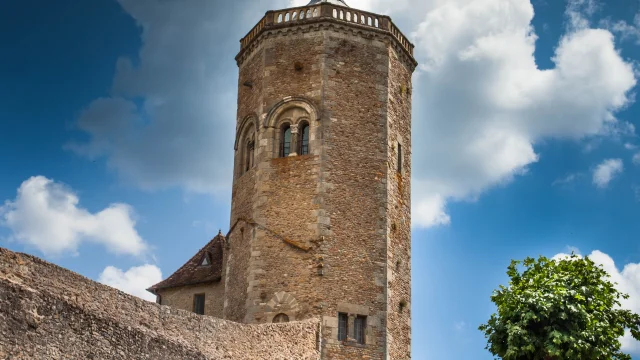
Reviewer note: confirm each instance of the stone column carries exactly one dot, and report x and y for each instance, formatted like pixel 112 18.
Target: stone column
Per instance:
pixel 294 141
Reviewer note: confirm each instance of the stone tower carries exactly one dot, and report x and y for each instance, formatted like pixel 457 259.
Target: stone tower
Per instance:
pixel 320 216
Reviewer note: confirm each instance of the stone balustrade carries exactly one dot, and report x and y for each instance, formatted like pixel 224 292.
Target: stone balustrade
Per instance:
pixel 284 17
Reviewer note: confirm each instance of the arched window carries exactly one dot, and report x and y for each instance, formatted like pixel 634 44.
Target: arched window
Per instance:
pixel 303 142
pixel 285 140
pixel 281 318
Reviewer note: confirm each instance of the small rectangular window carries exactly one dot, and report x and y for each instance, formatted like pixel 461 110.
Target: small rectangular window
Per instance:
pixel 359 328
pixel 399 157
pixel 159 299
pixel 343 320
pixel 198 304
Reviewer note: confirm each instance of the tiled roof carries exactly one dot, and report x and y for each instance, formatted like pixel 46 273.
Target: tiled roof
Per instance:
pixel 193 271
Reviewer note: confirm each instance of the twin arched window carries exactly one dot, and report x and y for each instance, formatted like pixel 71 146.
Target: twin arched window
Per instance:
pixel 287 135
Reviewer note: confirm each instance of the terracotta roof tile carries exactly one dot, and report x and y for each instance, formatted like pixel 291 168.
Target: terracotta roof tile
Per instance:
pixel 193 271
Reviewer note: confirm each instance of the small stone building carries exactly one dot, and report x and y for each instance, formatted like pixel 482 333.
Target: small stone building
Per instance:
pixel 196 286
pixel 320 223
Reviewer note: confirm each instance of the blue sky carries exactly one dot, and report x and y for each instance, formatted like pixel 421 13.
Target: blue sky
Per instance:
pixel 116 132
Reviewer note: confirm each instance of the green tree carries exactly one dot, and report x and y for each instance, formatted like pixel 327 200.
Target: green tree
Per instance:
pixel 558 309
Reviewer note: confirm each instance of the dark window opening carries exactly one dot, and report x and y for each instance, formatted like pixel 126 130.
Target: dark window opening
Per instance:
pixel 304 139
pixel 399 157
pixel 359 328
pixel 285 141
pixel 198 304
pixel 343 321
pixel 159 299
pixel 281 318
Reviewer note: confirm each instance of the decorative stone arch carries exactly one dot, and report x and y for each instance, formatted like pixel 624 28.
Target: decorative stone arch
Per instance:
pixel 288 103
pixel 251 119
pixel 279 114
pixel 282 303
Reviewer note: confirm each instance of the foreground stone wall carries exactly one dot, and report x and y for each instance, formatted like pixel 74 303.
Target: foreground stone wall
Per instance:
pixel 47 312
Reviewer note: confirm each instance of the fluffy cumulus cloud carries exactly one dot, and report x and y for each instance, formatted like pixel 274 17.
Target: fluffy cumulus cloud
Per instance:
pixel 636 159
pixel 46 215
pixel 134 281
pixel 481 103
pixel 628 282
pixel 170 118
pixel 607 171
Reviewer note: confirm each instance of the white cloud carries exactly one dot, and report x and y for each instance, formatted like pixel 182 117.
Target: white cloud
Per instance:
pixel 460 326
pixel 46 215
pixel 636 159
pixel 578 13
pixel 170 118
pixel 481 103
pixel 628 282
pixel 607 171
pixel 568 179
pixel 134 281
pixel 630 146
pixel 626 31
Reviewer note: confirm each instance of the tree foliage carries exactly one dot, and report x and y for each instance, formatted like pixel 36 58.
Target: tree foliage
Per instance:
pixel 558 309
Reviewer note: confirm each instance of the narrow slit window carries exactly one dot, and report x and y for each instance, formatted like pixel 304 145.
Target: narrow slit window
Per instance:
pixel 198 304
pixel 359 327
pixel 343 320
pixel 247 161
pixel 399 157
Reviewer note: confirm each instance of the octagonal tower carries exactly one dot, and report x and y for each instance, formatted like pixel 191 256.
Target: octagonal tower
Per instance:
pixel 320 216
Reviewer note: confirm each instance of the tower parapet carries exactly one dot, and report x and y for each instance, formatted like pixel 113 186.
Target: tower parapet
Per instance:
pixel 322 12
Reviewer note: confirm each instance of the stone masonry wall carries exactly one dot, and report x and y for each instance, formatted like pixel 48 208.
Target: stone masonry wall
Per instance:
pixel 182 297
pixel 47 312
pixel 355 131
pixel 279 262
pixel 399 210
pixel 330 230
pixel 237 252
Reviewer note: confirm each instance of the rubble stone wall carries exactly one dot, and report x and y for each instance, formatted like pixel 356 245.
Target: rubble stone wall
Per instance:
pixel 47 312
